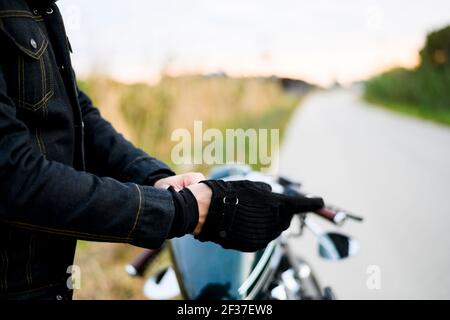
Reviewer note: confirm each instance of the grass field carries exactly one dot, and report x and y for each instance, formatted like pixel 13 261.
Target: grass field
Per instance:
pixel 412 92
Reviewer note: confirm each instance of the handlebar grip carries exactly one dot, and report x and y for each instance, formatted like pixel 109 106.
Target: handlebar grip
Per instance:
pixel 335 216
pixel 326 213
pixel 142 261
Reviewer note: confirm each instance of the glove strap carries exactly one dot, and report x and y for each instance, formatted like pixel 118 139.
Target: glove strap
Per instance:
pixel 230 203
pixel 220 219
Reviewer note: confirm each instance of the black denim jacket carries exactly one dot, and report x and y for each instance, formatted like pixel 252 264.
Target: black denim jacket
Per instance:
pixel 65 173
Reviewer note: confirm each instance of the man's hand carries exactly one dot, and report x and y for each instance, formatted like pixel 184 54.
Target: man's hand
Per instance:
pixel 180 181
pixel 203 194
pixel 246 215
pixel 200 191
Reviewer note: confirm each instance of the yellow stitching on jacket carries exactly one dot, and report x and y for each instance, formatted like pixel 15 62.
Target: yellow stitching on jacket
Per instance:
pixel 37 53
pixel 47 96
pixel 15 13
pixel 44 85
pixel 41 49
pixel 43 82
pixel 38 105
pixel 68 232
pixel 33 54
pixel 50 88
pixel 138 214
pixel 38 18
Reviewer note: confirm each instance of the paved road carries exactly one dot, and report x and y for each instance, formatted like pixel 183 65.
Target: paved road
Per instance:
pixel 392 169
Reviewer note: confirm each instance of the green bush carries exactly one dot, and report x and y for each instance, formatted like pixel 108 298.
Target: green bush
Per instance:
pixel 436 51
pixel 423 91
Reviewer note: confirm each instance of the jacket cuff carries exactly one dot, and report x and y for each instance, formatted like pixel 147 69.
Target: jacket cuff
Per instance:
pixel 158 175
pixel 186 212
pixel 154 218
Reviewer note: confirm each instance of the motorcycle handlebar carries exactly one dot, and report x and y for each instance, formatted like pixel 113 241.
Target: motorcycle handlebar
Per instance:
pixel 333 214
pixel 337 216
pixel 139 265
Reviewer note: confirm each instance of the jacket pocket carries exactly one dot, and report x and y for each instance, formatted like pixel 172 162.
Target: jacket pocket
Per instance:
pixel 29 80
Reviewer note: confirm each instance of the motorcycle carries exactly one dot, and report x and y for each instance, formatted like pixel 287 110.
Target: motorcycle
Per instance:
pixel 207 271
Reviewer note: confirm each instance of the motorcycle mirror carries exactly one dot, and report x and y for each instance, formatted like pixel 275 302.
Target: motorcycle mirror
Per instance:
pixel 162 286
pixel 336 246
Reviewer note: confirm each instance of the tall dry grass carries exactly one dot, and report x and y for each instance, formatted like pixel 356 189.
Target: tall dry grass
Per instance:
pixel 147 115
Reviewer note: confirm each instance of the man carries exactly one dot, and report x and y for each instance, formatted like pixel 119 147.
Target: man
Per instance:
pixel 66 174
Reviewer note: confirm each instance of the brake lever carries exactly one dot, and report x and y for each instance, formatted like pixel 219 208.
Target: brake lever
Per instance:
pixel 331 213
pixel 336 215
pixel 139 265
pixel 354 217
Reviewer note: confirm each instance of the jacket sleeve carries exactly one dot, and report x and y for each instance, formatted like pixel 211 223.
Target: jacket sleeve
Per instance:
pixel 48 196
pixel 108 153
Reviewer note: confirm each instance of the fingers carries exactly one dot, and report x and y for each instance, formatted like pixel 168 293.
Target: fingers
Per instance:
pixel 181 181
pixel 192 178
pixel 264 186
pixel 300 204
pixel 311 204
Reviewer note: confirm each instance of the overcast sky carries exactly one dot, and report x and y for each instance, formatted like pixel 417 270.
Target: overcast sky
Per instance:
pixel 319 41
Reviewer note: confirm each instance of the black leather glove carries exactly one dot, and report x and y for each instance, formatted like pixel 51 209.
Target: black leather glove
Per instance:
pixel 246 215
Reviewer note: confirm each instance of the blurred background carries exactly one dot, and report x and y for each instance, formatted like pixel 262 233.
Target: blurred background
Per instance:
pixel 360 91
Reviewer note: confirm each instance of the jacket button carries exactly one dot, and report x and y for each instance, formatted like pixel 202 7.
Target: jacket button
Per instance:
pixel 33 43
pixel 59 297
pixel 223 234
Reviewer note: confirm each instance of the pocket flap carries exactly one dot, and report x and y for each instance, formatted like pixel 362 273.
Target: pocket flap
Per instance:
pixel 24 32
